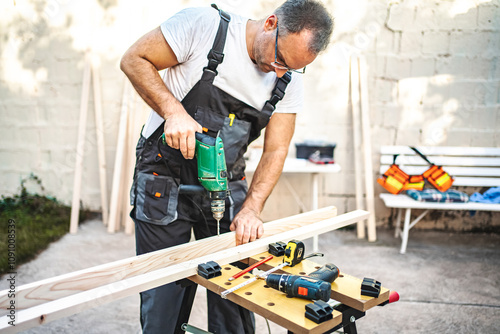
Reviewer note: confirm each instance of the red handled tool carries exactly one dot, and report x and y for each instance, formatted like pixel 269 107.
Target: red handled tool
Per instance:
pixel 250 268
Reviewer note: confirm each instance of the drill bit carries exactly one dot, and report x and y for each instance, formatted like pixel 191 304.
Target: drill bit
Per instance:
pixel 218 208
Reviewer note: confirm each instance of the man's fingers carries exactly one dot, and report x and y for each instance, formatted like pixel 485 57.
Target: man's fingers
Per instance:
pixel 253 234
pixel 169 141
pixel 191 146
pixel 260 231
pixel 183 147
pixel 247 233
pixel 239 234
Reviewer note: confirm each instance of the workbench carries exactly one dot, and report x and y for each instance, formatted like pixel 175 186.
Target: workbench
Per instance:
pixel 290 312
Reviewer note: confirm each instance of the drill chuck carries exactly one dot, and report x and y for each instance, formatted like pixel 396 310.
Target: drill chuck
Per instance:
pixel 300 286
pixel 218 207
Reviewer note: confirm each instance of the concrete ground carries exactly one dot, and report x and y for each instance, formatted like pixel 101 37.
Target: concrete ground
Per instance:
pixel 448 282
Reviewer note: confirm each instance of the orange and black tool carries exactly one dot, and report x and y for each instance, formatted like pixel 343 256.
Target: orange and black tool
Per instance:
pixel 394 180
pixel 436 176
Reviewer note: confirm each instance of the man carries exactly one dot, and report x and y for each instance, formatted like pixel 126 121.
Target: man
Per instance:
pixel 224 74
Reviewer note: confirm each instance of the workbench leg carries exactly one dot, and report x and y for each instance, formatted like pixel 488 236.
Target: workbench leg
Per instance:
pixel 349 317
pixel 187 305
pixel 351 328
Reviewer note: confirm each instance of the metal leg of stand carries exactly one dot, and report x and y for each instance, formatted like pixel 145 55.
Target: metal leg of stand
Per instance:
pixel 187 304
pixel 349 317
pixel 350 329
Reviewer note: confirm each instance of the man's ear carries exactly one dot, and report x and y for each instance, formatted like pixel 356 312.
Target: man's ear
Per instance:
pixel 271 22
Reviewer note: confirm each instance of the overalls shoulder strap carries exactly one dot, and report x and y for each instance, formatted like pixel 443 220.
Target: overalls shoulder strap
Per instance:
pixel 277 94
pixel 216 54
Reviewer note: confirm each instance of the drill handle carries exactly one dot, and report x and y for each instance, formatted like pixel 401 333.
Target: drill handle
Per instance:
pixel 328 273
pixel 191 189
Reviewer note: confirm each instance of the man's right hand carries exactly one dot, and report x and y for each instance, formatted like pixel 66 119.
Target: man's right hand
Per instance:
pixel 180 131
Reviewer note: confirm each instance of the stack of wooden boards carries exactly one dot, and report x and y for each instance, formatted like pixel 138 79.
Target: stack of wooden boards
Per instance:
pixel 115 213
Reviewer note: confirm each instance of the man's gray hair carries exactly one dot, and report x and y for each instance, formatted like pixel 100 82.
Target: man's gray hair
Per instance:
pixel 297 15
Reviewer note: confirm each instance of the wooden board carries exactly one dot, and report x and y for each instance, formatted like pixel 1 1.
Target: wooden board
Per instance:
pixel 89 297
pixel 80 147
pixel 267 302
pixel 65 285
pixel 346 289
pixel 101 147
pixel 367 148
pixel 356 109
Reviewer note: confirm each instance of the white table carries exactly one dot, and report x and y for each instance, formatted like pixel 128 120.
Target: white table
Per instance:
pixel 302 166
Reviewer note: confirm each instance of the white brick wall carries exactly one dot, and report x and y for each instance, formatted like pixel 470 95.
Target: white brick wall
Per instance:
pixel 434 78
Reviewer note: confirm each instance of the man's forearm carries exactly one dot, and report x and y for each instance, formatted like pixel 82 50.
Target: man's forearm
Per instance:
pixel 265 178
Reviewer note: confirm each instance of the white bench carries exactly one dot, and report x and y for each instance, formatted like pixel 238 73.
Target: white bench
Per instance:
pixel 470 167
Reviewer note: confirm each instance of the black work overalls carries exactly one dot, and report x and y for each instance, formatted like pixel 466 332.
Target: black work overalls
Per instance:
pixel 164 218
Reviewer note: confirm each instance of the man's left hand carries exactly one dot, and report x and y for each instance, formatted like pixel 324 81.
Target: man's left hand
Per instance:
pixel 248 226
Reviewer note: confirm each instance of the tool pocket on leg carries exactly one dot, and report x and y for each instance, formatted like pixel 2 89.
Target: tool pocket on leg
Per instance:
pixel 156 199
pixel 138 156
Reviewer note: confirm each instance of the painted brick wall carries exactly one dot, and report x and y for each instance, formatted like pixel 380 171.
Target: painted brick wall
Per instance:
pixel 434 79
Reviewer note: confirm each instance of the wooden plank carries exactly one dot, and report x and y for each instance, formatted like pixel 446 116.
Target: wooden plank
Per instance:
pixel 442 161
pixel 128 174
pixel 80 147
pixel 346 289
pixel 403 202
pixel 64 285
pixel 101 148
pixel 117 189
pixel 454 171
pixel 91 298
pixel 476 182
pixel 367 149
pixel 269 303
pixel 442 150
pixel 355 109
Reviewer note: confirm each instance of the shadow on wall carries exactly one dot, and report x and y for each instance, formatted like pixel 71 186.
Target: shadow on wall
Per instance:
pixel 445 78
pixel 40 92
pixel 439 85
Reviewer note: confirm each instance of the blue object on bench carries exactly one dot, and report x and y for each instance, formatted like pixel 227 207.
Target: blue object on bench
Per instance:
pixel 433 195
pixel 491 195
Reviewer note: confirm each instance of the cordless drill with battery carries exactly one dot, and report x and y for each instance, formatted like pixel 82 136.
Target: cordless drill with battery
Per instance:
pixel 212 174
pixel 315 286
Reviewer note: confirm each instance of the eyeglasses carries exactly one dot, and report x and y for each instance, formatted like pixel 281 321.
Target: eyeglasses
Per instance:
pixel 279 65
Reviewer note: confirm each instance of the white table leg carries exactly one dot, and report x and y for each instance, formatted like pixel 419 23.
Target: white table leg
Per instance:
pixel 406 230
pixel 314 203
pixel 398 224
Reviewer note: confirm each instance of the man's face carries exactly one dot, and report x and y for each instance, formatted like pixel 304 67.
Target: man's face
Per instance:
pixel 292 50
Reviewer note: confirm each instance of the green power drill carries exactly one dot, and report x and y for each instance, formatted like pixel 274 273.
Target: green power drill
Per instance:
pixel 212 174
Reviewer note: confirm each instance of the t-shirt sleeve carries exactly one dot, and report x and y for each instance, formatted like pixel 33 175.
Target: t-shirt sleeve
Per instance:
pixel 186 29
pixel 293 101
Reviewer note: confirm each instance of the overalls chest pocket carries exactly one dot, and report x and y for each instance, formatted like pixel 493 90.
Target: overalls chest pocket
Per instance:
pixel 233 132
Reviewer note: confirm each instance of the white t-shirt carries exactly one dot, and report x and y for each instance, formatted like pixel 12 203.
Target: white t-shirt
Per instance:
pixel 191 33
